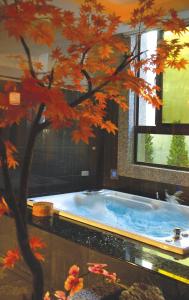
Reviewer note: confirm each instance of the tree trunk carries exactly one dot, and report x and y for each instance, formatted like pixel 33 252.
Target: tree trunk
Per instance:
pixel 22 233
pixel 30 259
pixel 20 220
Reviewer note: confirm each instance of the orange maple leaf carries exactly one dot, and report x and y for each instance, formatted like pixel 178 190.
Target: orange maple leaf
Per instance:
pixel 3 206
pixel 100 96
pixel 36 243
pixel 105 51
pixel 109 127
pixel 73 284
pixel 178 64
pixel 38 65
pixel 68 17
pixel 39 256
pixel 74 270
pixel 11 258
pixel 9 86
pixel 42 33
pixel 82 134
pixel 11 149
pixel 56 53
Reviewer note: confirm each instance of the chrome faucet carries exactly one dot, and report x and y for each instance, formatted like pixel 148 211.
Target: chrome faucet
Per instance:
pixel 157 196
pixel 177 233
pixel 175 198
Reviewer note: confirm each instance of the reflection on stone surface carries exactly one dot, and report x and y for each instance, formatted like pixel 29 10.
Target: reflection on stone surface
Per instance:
pixel 104 291
pixel 142 292
pixel 69 243
pixel 13 285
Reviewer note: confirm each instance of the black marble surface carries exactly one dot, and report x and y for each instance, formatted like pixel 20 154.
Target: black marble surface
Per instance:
pixel 142 255
pixel 69 243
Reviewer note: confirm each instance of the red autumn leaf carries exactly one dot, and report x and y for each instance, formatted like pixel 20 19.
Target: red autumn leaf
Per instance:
pixel 73 284
pixel 36 243
pixel 100 269
pixel 82 134
pixel 9 86
pixel 100 96
pixel 74 270
pixel 47 296
pixel 3 206
pixel 68 17
pixel 39 256
pixel 38 65
pixel 96 268
pixel 42 33
pixel 109 127
pixel 11 150
pixel 11 258
pixel 105 51
pixel 178 64
pixel 56 53
pixel 61 295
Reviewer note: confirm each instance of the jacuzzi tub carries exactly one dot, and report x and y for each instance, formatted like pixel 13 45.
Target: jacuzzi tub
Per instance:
pixel 147 220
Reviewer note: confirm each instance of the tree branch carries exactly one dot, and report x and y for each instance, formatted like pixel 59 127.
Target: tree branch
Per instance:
pixel 84 72
pixel 28 54
pixel 10 77
pixel 35 129
pixel 125 62
pixel 44 125
pixel 84 56
pixel 91 92
pixel 21 228
pixel 88 78
pixel 51 78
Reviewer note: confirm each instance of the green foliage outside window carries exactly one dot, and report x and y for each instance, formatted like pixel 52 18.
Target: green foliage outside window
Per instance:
pixel 178 154
pixel 148 148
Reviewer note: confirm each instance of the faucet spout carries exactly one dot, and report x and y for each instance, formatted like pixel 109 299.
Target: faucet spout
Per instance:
pixel 175 198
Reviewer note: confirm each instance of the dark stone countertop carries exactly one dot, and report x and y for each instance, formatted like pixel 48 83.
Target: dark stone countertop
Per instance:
pixel 163 262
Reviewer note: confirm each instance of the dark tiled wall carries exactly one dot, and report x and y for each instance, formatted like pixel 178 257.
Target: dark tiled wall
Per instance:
pixel 58 161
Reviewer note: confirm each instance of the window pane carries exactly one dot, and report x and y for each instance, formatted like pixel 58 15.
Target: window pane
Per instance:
pixel 171 150
pixel 176 89
pixel 146 115
pixel 146 110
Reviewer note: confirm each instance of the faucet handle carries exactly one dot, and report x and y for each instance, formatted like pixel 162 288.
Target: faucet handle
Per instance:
pixel 177 233
pixel 178 193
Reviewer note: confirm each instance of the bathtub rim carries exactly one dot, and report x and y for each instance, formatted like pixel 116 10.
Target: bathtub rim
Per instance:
pixel 158 243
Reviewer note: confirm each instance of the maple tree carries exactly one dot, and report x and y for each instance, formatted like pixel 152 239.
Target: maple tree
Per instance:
pixel 95 61
pixel 74 283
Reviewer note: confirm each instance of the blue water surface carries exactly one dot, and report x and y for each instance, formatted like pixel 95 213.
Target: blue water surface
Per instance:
pixel 155 222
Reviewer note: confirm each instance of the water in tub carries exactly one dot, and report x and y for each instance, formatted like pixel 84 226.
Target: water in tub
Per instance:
pixel 94 207
pixel 150 218
pixel 146 219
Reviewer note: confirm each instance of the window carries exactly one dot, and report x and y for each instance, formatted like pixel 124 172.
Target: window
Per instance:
pixel 162 136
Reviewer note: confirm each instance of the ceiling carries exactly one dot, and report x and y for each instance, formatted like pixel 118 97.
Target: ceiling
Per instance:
pixel 122 8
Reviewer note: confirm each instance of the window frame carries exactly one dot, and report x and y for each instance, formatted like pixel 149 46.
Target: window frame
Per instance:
pixel 159 127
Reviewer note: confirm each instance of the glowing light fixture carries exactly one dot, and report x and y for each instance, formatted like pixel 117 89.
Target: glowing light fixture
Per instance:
pixel 14 97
